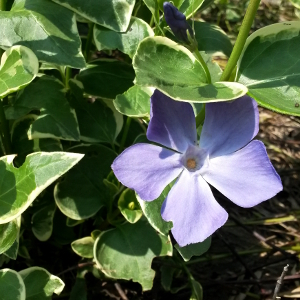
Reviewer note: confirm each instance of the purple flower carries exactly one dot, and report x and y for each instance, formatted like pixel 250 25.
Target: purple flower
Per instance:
pixel 177 22
pixel 226 158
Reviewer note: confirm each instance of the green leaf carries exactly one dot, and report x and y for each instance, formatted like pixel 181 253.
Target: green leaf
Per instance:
pixel 187 7
pixel 100 78
pixel 270 67
pixel 135 102
pixel 127 42
pixel 81 192
pixel 42 222
pixel 11 285
pixel 211 38
pixel 166 277
pixel 18 68
pixel 84 247
pixel 71 223
pixel 13 251
pixel 19 187
pixel 111 14
pixel 8 234
pixel 79 290
pixel 40 284
pixel 127 251
pixel 197 291
pixel 22 146
pixel 56 120
pixel 193 249
pixel 53 37
pixel 171 68
pixel 97 121
pixel 129 206
pixel 296 3
pixel 152 209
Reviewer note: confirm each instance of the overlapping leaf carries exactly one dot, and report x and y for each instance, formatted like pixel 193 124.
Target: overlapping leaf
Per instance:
pixel 11 285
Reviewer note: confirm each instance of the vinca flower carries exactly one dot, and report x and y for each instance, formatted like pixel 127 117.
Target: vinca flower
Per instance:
pixel 177 22
pixel 226 158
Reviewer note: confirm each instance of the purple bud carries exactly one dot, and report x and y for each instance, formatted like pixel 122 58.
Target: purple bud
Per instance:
pixel 177 22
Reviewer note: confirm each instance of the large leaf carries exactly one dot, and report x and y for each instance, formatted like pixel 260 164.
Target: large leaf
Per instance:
pixel 18 68
pixel 81 193
pixel 106 78
pixel 152 210
pixel 56 120
pixel 11 285
pixel 40 284
pixel 53 37
pixel 97 120
pixel 135 102
pixel 127 251
pixel 171 68
pixel 8 234
pixel 270 67
pixel 19 187
pixel 111 14
pixel 127 41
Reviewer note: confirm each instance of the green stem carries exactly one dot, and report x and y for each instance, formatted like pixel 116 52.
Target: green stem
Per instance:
pixel 88 44
pixel 3 5
pixel 68 76
pixel 124 136
pixel 4 130
pixel 241 39
pixel 203 64
pixel 200 117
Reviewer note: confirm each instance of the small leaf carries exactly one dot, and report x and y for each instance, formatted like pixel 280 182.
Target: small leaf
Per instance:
pixel 40 284
pixel 42 222
pixel 99 78
pixel 18 68
pixel 53 37
pixel 9 232
pixel 84 247
pixel 56 120
pixel 171 68
pixel 81 193
pixel 193 249
pixel 79 290
pixel 127 251
pixel 166 277
pixel 21 186
pixel 152 210
pixel 135 102
pixel 111 14
pixel 127 42
pixel 197 291
pixel 270 67
pixel 129 206
pixel 11 285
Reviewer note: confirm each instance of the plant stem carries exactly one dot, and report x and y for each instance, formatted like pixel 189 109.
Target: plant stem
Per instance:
pixel 241 39
pixel 124 136
pixel 4 130
pixel 203 64
pixel 88 44
pixel 68 76
pixel 200 117
pixel 3 5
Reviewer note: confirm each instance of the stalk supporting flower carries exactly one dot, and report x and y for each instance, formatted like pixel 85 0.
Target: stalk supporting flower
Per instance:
pixel 225 157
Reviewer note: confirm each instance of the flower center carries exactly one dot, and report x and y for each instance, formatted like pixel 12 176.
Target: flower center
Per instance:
pixel 191 163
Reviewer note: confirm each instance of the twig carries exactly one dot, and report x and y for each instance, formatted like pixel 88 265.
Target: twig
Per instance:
pixel 81 265
pixel 120 291
pixel 279 283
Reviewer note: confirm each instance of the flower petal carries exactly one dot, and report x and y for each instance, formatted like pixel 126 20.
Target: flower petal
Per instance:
pixel 172 123
pixel 246 177
pixel 229 126
pixel 192 208
pixel 147 169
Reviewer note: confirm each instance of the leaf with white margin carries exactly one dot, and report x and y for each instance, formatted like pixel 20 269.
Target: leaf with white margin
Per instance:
pixel 127 42
pixel 40 284
pixel 135 102
pixel 12 286
pixel 187 7
pixel 53 37
pixel 127 251
pixel 56 120
pixel 171 68
pixel 20 186
pixel 84 247
pixel 42 222
pixel 9 233
pixel 18 68
pixel 270 67
pixel 114 15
